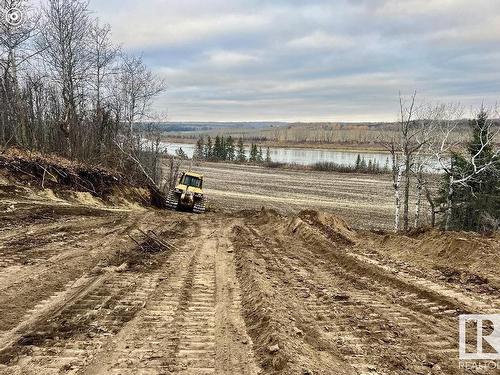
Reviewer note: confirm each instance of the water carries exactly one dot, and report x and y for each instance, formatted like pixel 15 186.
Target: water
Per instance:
pixel 311 156
pixel 303 156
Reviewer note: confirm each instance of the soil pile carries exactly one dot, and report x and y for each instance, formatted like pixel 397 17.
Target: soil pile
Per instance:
pixel 470 257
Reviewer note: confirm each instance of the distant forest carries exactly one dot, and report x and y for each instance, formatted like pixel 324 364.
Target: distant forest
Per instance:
pixel 369 134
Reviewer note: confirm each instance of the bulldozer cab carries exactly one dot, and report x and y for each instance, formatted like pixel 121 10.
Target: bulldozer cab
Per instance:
pixel 191 180
pixel 188 193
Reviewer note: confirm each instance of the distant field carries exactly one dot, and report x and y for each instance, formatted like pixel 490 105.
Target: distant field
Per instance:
pixel 363 200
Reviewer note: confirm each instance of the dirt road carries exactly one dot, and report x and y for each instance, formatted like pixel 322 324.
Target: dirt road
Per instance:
pixel 107 291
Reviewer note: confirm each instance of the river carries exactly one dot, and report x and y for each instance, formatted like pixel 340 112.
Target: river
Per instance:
pixel 308 156
pixel 303 156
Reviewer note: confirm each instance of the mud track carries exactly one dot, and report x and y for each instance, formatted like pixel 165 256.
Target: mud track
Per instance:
pixel 104 291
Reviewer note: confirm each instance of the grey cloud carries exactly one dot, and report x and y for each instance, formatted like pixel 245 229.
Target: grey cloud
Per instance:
pixel 311 60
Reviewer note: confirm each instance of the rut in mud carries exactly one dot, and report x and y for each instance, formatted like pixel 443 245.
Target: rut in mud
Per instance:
pixel 117 291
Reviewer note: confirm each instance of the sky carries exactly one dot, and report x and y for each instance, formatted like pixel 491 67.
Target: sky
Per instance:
pixel 316 60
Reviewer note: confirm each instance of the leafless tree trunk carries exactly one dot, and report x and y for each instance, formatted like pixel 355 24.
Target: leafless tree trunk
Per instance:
pixel 418 200
pixel 135 88
pixel 489 131
pixel 103 56
pixel 397 173
pixel 64 38
pixel 414 131
pixel 432 206
pixel 13 55
pixel 407 135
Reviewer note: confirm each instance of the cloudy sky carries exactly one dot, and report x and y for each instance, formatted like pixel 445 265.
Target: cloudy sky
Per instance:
pixel 311 60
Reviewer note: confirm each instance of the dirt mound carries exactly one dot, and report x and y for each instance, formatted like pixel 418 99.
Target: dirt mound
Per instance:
pixel 463 248
pixel 461 257
pixel 333 227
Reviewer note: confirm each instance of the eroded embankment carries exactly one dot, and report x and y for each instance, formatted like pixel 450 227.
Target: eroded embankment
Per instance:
pixel 34 177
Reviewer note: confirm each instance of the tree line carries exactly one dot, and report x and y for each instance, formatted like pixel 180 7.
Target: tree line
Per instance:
pixel 66 88
pixel 226 149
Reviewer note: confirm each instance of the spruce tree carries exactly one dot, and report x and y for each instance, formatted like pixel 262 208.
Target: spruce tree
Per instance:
pixel 358 162
pixel 386 165
pixel 208 149
pixel 253 153
pixel 229 149
pixel 260 155
pixel 199 149
pixel 217 152
pixel 268 155
pixel 223 153
pixel 241 156
pixel 362 164
pixel 475 205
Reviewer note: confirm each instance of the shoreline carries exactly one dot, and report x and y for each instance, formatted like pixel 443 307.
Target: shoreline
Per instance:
pixel 310 146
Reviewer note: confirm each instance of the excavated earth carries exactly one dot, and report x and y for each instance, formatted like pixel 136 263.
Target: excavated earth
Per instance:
pixel 87 287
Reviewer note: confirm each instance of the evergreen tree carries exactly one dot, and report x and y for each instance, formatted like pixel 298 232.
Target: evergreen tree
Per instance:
pixel 199 149
pixel 208 149
pixel 217 151
pixel 241 156
pixel 229 149
pixel 475 205
pixel 253 153
pixel 386 166
pixel 268 155
pixel 362 164
pixel 358 162
pixel 260 155
pixel 223 153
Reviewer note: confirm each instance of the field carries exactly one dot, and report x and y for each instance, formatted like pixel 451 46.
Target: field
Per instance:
pixel 367 200
pixel 89 287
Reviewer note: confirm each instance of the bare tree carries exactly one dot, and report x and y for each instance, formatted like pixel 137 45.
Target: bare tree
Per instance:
pixel 14 52
pixel 429 118
pixel 63 90
pixel 64 38
pixel 135 88
pixel 406 145
pixel 103 54
pixel 488 131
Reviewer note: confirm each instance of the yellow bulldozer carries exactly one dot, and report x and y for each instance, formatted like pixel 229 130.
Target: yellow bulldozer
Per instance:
pixel 188 194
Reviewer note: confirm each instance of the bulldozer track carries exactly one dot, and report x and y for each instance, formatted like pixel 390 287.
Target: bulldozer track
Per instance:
pixel 147 344
pixel 35 251
pixel 217 294
pixel 116 301
pixel 149 322
pixel 357 324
